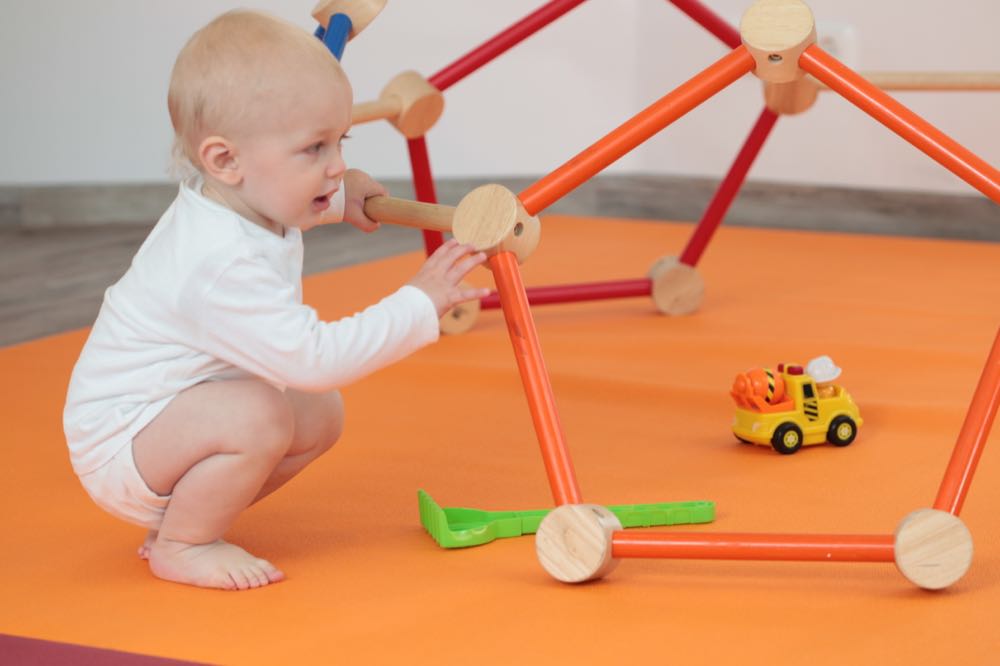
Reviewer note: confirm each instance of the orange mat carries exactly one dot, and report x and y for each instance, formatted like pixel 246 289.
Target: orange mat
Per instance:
pixel 643 400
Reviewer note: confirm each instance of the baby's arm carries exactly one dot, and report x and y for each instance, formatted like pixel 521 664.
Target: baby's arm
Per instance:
pixel 250 316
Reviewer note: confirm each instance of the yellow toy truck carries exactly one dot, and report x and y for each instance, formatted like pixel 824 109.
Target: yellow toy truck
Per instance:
pixel 787 409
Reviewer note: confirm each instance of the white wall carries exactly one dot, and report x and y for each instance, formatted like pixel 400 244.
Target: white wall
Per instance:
pixel 84 88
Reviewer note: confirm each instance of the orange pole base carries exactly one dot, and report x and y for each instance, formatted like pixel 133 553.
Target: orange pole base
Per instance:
pixel 535 377
pixel 972 437
pixel 737 546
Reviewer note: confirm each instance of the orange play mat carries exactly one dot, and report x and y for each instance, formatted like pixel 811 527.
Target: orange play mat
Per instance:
pixel 644 403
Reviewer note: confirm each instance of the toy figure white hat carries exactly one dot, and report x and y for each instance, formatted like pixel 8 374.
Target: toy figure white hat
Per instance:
pixel 823 369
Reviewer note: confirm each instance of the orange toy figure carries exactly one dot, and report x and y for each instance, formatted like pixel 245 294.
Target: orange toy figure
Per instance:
pixel 761 389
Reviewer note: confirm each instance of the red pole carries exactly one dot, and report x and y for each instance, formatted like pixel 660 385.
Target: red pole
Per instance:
pixel 571 293
pixel 633 132
pixel 423 187
pixel 902 121
pixel 535 378
pixel 729 188
pixel 736 546
pixel 711 21
pixel 489 50
pixel 972 437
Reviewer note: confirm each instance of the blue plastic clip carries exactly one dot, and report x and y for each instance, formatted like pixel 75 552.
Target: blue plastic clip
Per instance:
pixel 336 33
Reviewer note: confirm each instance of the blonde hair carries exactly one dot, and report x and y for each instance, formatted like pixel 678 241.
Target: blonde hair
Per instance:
pixel 238 61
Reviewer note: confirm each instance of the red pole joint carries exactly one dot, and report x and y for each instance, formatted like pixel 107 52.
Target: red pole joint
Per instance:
pixel 494 47
pixel 423 187
pixel 729 188
pixel 573 293
pixel 711 21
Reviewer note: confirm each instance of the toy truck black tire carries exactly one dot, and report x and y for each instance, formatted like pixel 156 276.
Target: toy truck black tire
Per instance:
pixel 842 431
pixel 787 438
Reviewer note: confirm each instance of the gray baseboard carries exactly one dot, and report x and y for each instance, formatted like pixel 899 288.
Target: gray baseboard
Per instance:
pixel 970 217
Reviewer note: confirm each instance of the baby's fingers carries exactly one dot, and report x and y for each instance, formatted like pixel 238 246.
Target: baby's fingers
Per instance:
pixel 464 264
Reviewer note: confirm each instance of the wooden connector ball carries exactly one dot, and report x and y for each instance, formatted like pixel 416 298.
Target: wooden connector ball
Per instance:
pixel 361 12
pixel 776 32
pixel 574 542
pixel 933 548
pixel 492 219
pixel 791 97
pixel 678 289
pixel 418 104
pixel 460 318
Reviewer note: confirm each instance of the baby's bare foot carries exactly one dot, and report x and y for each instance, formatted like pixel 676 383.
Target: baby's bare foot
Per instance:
pixel 147 544
pixel 218 564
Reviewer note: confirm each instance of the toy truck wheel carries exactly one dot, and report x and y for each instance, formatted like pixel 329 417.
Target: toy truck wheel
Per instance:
pixel 842 431
pixel 787 438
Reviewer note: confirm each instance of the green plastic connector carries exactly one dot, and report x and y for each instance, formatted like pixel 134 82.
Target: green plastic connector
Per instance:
pixel 461 528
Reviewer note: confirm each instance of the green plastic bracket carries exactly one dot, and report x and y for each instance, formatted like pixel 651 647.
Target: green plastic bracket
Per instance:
pixel 461 528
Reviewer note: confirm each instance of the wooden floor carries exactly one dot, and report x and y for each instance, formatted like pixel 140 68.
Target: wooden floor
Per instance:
pixel 52 277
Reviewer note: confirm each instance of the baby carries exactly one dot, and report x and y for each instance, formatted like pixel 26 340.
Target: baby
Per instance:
pixel 206 383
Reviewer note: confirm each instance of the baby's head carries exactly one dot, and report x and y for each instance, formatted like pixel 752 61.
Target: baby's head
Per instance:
pixel 259 107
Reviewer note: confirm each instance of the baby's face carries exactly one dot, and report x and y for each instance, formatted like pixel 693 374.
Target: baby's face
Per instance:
pixel 290 157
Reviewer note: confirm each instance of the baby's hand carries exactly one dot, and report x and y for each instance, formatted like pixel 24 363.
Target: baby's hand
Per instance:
pixel 441 275
pixel 358 186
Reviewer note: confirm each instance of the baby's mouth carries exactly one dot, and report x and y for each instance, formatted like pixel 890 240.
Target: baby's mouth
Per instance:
pixel 321 203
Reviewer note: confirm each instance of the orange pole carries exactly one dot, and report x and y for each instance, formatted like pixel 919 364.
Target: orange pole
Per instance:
pixel 902 121
pixel 972 437
pixel 633 132
pixel 739 546
pixel 535 378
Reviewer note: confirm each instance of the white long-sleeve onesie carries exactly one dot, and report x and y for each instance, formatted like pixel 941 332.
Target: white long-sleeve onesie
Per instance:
pixel 212 296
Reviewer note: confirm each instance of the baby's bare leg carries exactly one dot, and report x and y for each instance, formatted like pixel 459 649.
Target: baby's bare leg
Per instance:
pixel 319 421
pixel 212 449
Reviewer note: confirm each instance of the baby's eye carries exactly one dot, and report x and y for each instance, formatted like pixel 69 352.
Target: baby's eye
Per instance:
pixel 316 147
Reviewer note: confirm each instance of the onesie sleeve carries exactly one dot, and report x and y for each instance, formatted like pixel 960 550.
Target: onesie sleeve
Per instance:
pixel 250 316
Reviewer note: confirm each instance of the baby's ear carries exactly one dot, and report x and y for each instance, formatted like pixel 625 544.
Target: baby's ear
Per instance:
pixel 218 160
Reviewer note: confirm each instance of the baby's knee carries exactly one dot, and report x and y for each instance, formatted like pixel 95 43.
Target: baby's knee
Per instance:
pixel 269 421
pixel 333 421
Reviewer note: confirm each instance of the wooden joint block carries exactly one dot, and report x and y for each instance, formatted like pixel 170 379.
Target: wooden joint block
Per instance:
pixel 460 318
pixel 419 103
pixel 677 288
pixel 361 12
pixel 776 32
pixel 574 542
pixel 492 219
pixel 791 97
pixel 933 548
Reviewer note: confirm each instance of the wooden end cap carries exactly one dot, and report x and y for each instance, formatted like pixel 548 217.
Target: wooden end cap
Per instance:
pixel 420 103
pixel 361 12
pixel 460 318
pixel 677 288
pixel 791 97
pixel 776 32
pixel 492 219
pixel 573 542
pixel 933 548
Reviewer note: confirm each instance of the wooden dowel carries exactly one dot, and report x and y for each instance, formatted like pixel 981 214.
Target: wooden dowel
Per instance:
pixel 380 109
pixel 406 213
pixel 932 80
